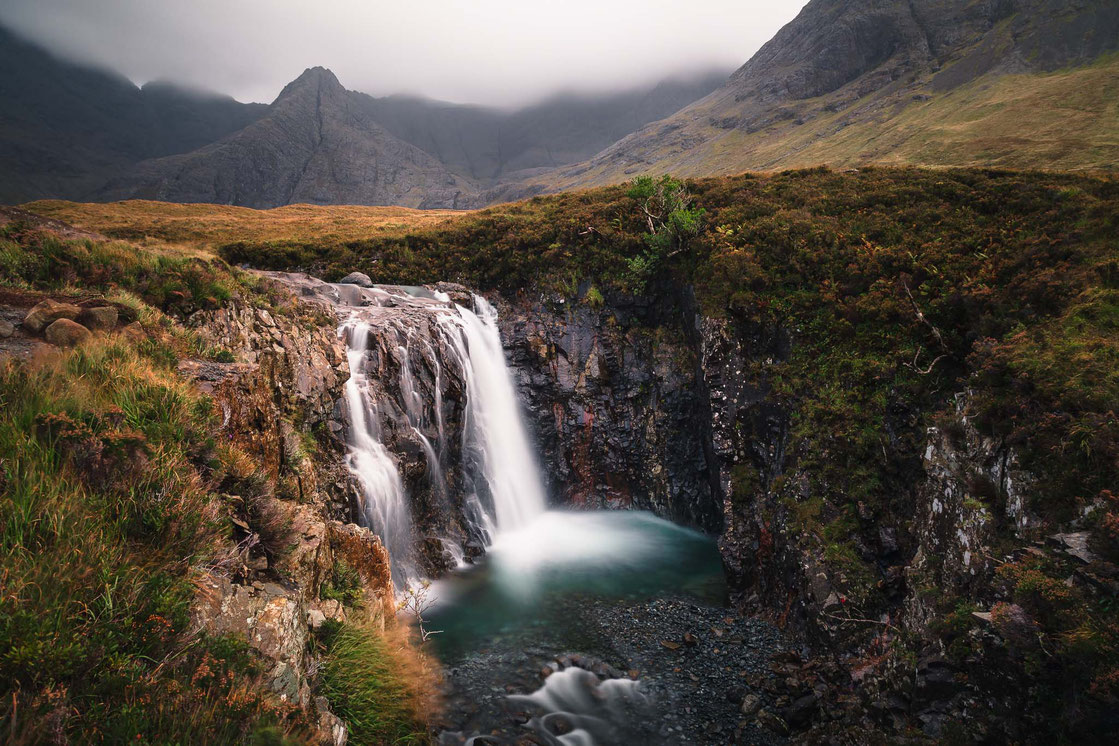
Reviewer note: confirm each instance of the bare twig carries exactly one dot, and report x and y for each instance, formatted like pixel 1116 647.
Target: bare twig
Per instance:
pixel 921 317
pixel 857 619
pixel 416 602
pixel 913 366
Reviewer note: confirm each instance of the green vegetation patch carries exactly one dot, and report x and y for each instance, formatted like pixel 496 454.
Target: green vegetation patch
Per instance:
pixel 367 686
pixel 108 500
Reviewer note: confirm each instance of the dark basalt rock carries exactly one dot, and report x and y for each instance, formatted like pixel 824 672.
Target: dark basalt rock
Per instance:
pixel 615 405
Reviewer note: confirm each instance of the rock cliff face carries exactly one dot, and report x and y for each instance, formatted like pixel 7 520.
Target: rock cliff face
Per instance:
pixel 617 406
pixel 653 406
pixel 285 385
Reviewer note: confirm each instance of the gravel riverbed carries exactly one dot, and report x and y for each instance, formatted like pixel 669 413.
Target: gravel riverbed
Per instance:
pixel 695 671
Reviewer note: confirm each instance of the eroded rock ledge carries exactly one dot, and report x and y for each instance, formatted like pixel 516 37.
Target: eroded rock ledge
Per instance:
pixel 279 402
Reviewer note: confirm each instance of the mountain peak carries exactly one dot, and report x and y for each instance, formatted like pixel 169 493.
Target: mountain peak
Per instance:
pixel 313 79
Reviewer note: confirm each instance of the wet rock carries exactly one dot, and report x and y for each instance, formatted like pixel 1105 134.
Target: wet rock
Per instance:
pixel 751 703
pixel 101 318
pixel 47 312
pixel 798 714
pixel 357 278
pixel 457 293
pixel 559 724
pixel 66 333
pixel 6 329
pixel 773 723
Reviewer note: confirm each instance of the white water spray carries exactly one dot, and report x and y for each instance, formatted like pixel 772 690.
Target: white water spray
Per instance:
pixel 494 430
pixel 497 458
pixel 384 505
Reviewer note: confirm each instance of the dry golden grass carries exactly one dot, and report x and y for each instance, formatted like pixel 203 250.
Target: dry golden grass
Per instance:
pixel 206 227
pixel 1062 121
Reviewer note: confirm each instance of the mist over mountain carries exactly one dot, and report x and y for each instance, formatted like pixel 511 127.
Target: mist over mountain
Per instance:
pixel 486 143
pixel 1017 83
pixel 1022 83
pixel 65 127
pixel 76 132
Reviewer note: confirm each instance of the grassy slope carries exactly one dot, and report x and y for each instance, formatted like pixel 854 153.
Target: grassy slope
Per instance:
pixel 207 226
pixel 1060 121
pixel 1066 120
pixel 112 471
pixel 1019 273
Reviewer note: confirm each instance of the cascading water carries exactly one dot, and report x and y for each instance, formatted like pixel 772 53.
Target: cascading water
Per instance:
pixel 497 459
pixel 384 505
pixel 494 432
pixel 429 383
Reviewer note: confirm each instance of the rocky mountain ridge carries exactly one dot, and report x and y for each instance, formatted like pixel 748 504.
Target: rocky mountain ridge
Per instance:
pixel 860 82
pixel 316 144
pixel 65 127
pixel 75 132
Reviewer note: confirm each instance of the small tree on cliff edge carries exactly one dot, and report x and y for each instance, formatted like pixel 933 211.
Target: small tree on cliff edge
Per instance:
pixel 666 205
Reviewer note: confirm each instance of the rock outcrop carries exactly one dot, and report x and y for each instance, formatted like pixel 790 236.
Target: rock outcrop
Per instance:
pixel 279 399
pixel 47 312
pixel 652 405
pixel 616 405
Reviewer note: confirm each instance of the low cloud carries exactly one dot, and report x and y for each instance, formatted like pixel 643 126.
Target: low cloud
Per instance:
pixel 498 52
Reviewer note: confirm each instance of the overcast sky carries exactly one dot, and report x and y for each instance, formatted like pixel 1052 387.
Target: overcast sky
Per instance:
pixel 502 52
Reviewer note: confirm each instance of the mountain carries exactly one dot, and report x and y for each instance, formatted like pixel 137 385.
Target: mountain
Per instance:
pixel 64 127
pixel 72 131
pixel 487 144
pixel 1020 83
pixel 317 143
pixel 322 144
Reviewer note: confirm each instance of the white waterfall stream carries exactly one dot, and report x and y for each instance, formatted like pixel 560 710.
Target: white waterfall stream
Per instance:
pixel 429 383
pixel 494 428
pixel 385 506
pixel 498 459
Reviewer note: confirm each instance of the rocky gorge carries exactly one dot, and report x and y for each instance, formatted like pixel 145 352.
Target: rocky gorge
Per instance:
pixel 826 476
pixel 651 406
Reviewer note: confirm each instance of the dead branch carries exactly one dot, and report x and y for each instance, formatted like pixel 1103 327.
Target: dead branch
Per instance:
pixel 857 619
pixel 922 319
pixel 913 366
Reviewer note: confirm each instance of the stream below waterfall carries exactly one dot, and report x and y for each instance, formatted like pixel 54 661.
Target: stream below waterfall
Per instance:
pixel 554 627
pixel 595 628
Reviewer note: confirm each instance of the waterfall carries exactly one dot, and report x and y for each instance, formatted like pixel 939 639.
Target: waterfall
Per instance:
pixel 384 504
pixel 494 431
pixel 504 490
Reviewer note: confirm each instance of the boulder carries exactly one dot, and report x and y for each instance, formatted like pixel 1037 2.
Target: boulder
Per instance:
pixel 772 723
pixel 6 329
pixel 102 318
pixel 47 312
pixel 66 333
pixel 357 278
pixel 751 703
